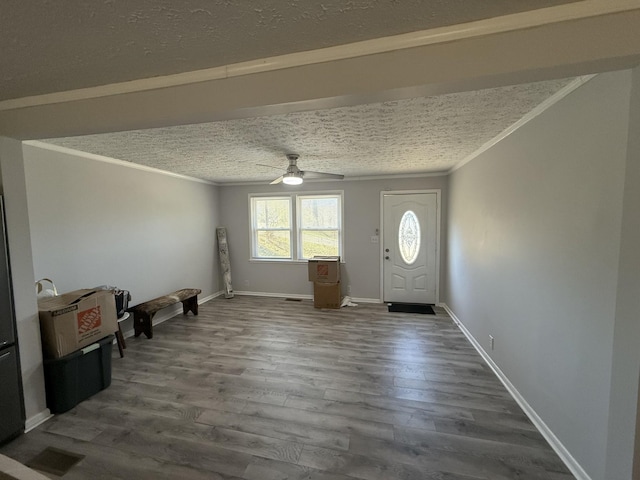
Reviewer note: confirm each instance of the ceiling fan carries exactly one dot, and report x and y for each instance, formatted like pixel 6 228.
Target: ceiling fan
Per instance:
pixel 294 176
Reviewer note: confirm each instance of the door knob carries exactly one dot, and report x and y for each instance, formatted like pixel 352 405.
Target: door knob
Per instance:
pixel 386 250
pixel 387 257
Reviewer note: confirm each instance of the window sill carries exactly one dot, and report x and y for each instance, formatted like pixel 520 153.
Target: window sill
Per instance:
pixel 275 260
pixel 283 261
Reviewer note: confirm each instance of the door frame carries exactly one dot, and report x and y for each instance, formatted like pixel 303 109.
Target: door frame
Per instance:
pixel 438 193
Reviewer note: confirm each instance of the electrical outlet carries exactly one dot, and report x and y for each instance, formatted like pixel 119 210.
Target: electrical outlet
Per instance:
pixel 491 341
pixel 374 239
pixel 246 283
pixel 348 289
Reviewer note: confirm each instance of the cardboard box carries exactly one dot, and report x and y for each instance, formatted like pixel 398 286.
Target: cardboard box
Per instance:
pixel 76 319
pixel 327 295
pixel 324 269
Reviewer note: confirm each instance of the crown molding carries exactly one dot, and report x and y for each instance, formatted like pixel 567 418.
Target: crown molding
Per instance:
pixel 548 103
pixel 114 161
pixel 442 173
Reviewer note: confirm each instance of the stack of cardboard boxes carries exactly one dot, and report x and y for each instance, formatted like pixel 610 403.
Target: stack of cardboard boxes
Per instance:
pixel 76 330
pixel 324 272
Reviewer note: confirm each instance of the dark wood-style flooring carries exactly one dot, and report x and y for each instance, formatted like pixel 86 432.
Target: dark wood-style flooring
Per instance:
pixel 264 389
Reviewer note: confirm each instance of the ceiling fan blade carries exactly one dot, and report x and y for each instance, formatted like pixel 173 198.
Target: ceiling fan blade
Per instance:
pixel 277 180
pixel 311 174
pixel 270 166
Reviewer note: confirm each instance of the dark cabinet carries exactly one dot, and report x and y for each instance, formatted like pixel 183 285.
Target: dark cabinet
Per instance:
pixel 11 416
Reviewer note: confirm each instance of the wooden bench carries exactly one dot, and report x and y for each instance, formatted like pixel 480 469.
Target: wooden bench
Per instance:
pixel 143 313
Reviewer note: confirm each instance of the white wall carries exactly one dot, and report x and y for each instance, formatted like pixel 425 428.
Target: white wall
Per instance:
pixel 26 310
pixel 95 223
pixel 361 219
pixel 534 243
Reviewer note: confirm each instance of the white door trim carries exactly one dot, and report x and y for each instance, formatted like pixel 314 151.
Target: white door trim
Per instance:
pixel 438 193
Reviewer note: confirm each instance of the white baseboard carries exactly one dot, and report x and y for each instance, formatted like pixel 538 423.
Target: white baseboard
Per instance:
pixel 366 300
pixel 210 297
pixel 37 419
pixel 302 297
pixel 274 295
pixel 564 454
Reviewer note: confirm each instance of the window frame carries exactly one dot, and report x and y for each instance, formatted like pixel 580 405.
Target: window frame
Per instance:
pixel 255 229
pixel 299 229
pixel 294 199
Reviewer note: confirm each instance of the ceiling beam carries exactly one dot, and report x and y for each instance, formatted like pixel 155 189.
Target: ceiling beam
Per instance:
pixel 486 55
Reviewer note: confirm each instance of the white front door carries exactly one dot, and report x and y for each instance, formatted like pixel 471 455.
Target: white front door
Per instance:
pixel 409 247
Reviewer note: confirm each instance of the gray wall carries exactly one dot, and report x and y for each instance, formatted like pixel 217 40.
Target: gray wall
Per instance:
pixel 95 223
pixel 626 352
pixel 361 219
pixel 534 245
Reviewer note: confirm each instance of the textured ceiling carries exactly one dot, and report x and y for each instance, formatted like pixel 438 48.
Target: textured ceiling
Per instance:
pixel 418 135
pixel 49 46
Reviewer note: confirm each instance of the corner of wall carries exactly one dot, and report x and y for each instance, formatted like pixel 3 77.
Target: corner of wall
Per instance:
pixel 21 260
pixel 568 459
pixel 624 421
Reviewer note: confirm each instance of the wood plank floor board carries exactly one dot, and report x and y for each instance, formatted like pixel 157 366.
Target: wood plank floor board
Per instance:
pixel 431 410
pixel 107 463
pixel 471 428
pixel 417 368
pixel 124 416
pixel 339 423
pixel 374 466
pixel 466 400
pixel 76 428
pixel 135 418
pixel 273 383
pixel 488 451
pixel 342 374
pixel 159 407
pixel 448 460
pixel 265 443
pixel 516 420
pixel 360 411
pixel 290 431
pixel 311 381
pixel 433 393
pixel 258 388
pixel 265 469
pixel 177 450
pixel 414 355
pixel 447 383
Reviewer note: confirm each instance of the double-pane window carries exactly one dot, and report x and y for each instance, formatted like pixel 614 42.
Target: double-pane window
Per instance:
pixel 296 227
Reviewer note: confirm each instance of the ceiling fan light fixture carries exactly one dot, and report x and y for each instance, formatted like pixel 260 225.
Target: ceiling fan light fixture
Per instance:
pixel 291 179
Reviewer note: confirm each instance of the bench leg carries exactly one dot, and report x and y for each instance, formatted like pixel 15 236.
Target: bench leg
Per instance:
pixel 120 341
pixel 142 324
pixel 190 304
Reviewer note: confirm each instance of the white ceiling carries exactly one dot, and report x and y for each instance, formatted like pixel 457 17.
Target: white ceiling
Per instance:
pixel 57 47
pixel 418 135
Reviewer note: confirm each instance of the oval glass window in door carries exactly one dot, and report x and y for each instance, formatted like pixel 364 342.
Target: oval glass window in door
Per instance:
pixel 409 237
